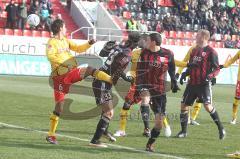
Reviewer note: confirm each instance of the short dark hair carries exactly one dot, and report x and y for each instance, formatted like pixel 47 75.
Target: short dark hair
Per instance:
pixel 156 37
pixel 56 26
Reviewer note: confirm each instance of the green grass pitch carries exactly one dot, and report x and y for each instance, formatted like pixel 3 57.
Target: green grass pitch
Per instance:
pixel 28 101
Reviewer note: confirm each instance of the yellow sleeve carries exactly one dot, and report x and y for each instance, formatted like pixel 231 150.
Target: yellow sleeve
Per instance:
pixel 135 56
pixel 232 60
pixel 180 63
pixel 78 48
pixel 186 59
pixel 52 55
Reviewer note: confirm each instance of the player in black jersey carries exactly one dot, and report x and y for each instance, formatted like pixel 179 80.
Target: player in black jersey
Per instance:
pixel 118 57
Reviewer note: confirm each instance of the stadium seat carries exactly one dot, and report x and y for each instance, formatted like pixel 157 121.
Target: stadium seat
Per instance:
pixel 170 42
pixel 164 41
pixel 212 43
pixel 1 31
pixel 149 16
pixel 179 42
pixel 45 34
pixel 172 34
pixel 141 16
pixel 225 37
pixel 4 15
pixel 180 34
pixel 134 15
pixel 219 45
pixel 188 35
pixel 36 33
pixel 127 15
pixel 17 32
pixel 234 37
pixel 187 42
pixel 188 27
pixel 166 34
pixel 157 17
pixel 27 33
pixel 196 27
pixel 8 31
pixel 194 35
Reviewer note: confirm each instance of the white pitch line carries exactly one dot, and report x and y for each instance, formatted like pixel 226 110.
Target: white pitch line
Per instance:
pixel 86 140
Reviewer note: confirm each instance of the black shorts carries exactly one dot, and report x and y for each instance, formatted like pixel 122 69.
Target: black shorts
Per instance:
pixel 102 91
pixel 157 102
pixel 202 92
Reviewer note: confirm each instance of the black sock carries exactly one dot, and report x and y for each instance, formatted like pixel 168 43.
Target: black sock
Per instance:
pixel 145 112
pixel 216 119
pixel 101 128
pixel 184 120
pixel 154 134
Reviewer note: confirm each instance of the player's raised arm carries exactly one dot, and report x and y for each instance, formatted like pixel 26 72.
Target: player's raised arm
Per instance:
pixel 80 47
pixel 232 60
pixel 186 59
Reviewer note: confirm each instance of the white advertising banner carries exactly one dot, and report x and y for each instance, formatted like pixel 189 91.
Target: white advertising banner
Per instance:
pixel 26 56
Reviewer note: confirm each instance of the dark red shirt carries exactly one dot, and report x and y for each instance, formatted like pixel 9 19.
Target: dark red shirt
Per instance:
pixel 152 69
pixel 208 66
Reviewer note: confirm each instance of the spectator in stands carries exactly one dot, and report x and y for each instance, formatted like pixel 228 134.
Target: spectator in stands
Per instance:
pixel 46 3
pixel 230 5
pixel 44 15
pixel 11 10
pixel 22 15
pixel 213 25
pixel 178 23
pixel 131 25
pixel 168 23
pixel 120 6
pixel 222 26
pixel 229 43
pixel 236 26
pixel 142 26
pixel 159 27
pixel 148 7
pixel 34 8
pixel 238 42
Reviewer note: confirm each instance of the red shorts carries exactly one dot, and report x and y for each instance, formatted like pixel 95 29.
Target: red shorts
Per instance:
pixel 133 95
pixel 237 92
pixel 63 82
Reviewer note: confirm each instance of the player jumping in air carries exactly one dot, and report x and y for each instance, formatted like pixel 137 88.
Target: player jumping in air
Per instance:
pixel 66 70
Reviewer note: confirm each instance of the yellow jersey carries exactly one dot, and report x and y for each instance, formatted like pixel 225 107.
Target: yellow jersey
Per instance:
pixel 232 60
pixel 186 59
pixel 58 53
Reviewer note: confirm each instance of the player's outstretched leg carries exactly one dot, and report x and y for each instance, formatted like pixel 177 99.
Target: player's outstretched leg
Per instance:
pixel 234 155
pixel 195 112
pixel 234 111
pixel 167 128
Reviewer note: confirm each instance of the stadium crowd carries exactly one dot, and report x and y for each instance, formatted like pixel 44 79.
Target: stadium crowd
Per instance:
pixel 220 17
pixel 17 14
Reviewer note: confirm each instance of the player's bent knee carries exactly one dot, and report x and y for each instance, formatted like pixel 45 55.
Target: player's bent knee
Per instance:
pixel 208 107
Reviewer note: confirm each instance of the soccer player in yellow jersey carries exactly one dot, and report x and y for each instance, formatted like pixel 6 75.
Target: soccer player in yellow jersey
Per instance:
pixel 66 70
pixel 133 97
pixel 237 92
pixel 198 104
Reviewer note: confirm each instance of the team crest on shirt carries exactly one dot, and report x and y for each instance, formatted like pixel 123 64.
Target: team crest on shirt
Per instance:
pixel 204 54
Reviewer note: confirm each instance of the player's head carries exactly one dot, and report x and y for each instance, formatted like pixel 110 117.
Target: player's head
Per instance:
pixel 133 39
pixel 154 39
pixel 202 37
pixel 143 41
pixel 58 27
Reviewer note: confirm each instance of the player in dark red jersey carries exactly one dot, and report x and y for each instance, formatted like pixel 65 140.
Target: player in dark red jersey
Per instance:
pixel 152 68
pixel 199 83
pixel 115 64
